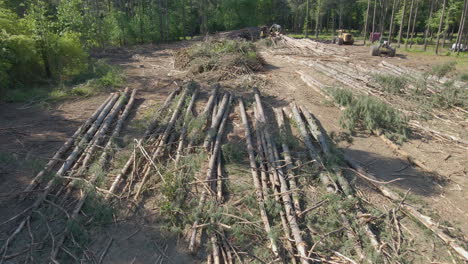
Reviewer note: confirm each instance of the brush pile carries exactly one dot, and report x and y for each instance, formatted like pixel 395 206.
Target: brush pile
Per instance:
pixel 222 57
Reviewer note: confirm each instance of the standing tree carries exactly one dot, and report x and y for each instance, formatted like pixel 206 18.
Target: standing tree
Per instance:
pixel 461 26
pixel 306 24
pixel 390 33
pixel 428 25
pixel 441 22
pixel 402 22
pixel 367 20
pixel 409 24
pixel 414 23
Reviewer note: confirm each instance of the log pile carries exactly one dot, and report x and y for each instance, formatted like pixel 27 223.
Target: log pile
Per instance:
pixel 55 194
pixel 297 206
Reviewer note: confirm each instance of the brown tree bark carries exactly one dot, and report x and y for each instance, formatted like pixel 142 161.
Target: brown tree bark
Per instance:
pixel 441 23
pixel 409 24
pixel 402 22
pixel 426 33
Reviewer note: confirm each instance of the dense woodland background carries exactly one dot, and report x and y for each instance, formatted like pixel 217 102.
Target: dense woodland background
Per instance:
pixel 49 41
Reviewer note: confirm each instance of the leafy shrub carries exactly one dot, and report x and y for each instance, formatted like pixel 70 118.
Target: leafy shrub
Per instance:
pixel 68 56
pixel 463 77
pixel 450 96
pixel 391 83
pixel 343 97
pixel 442 70
pixel 368 113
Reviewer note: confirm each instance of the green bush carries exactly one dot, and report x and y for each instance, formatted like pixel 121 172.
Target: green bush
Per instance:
pixel 368 113
pixel 443 70
pixel 450 96
pixel 343 97
pixel 391 83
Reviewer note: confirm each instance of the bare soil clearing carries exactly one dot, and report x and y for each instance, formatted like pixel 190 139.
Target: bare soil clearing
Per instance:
pixel 294 73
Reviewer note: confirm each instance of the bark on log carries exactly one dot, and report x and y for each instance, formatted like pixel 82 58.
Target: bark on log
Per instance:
pixel 163 108
pixel 287 201
pixel 67 145
pixel 101 134
pixel 255 179
pixel 215 124
pixel 289 161
pixel 211 168
pixel 161 144
pixel 67 164
pixel 271 173
pixel 183 133
pixel 118 127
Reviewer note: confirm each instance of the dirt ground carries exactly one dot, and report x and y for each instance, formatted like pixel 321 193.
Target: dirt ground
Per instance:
pixel 31 134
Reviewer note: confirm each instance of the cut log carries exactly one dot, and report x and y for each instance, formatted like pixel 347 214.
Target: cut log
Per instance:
pixel 285 193
pixel 211 169
pixel 255 179
pixel 183 133
pixel 154 123
pixel 101 134
pixel 66 146
pixel 289 162
pixel 215 124
pixel 162 142
pixel 118 127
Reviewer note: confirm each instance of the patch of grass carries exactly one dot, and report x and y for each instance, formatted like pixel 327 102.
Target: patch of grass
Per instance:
pixel 391 83
pixel 368 113
pixel 101 77
pixel 463 77
pixel 443 70
pixel 450 96
pixel 343 97
pixel 234 152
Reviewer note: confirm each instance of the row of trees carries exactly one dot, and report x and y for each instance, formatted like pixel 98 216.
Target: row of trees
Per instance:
pixel 49 39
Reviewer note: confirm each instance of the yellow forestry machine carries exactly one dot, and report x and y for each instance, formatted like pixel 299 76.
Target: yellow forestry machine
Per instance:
pixel 343 38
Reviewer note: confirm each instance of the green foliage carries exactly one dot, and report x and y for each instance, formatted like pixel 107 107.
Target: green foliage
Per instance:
pixel 343 97
pixel 443 70
pixel 230 57
pixel 391 83
pixel 463 77
pixel 450 96
pixel 368 113
pixel 234 152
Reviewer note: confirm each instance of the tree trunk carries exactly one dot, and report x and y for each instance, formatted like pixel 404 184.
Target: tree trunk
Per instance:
pixel 414 23
pixel 402 22
pixel 428 25
pixel 409 24
pixel 184 21
pixel 461 28
pixel 306 24
pixel 373 16
pixel 390 33
pixel 440 27
pixel 317 18
pixel 367 20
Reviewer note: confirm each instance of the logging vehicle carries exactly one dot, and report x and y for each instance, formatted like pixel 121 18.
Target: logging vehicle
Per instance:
pixel 383 48
pixel 343 38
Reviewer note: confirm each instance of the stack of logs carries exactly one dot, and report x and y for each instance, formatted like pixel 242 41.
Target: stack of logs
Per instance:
pixel 172 135
pixel 56 186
